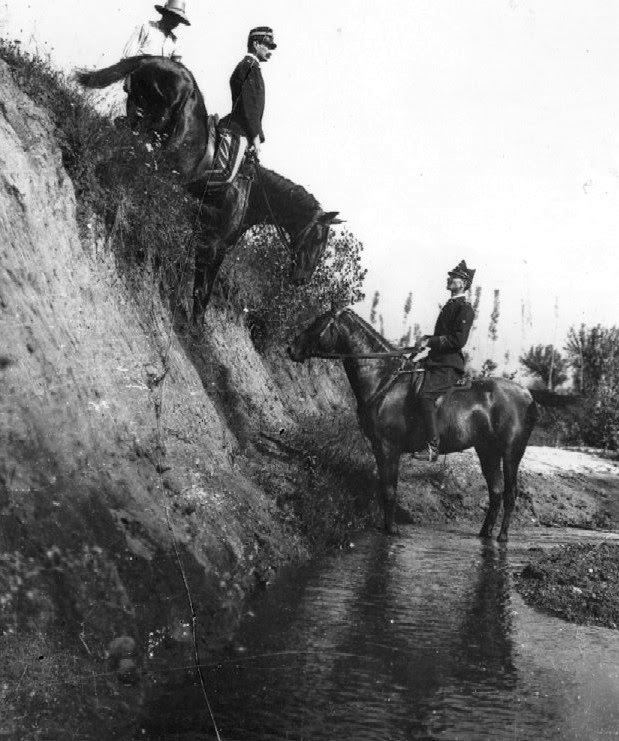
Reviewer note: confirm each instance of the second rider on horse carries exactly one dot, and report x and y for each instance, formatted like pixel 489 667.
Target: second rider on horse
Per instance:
pixel 445 363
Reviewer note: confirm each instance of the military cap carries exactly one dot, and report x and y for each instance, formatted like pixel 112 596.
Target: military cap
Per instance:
pixel 461 271
pixel 264 35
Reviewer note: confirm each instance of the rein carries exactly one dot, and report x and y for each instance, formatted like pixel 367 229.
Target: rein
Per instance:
pixel 280 232
pixel 403 353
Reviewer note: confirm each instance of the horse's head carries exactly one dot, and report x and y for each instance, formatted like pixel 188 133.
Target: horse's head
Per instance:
pixel 320 338
pixel 309 244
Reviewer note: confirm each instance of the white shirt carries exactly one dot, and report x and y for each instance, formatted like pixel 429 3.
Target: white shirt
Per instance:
pixel 150 39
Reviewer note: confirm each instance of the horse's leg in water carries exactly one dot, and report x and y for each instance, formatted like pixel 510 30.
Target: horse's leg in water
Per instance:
pixel 387 462
pixel 511 461
pixel 491 468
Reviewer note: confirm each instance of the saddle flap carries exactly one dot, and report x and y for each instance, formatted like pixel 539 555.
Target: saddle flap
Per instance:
pixel 212 123
pixel 208 158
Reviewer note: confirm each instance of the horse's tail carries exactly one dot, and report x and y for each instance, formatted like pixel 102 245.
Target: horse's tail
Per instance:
pixel 552 399
pixel 531 416
pixel 101 78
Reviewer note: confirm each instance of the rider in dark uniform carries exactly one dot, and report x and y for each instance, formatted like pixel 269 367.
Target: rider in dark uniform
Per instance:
pixel 445 362
pixel 241 129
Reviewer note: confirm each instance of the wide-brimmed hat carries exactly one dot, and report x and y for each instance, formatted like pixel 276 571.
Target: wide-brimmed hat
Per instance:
pixel 177 8
pixel 264 35
pixel 461 271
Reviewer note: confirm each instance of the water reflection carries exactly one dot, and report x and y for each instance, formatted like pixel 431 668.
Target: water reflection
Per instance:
pixel 485 648
pixel 405 639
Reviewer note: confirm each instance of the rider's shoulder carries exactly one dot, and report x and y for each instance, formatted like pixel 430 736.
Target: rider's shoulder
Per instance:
pixel 465 306
pixel 248 61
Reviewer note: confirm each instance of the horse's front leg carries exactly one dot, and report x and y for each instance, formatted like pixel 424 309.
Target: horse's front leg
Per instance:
pixel 200 290
pixel 388 463
pixel 210 253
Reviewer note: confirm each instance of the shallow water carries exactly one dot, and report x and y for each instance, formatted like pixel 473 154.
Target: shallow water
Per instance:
pixel 417 637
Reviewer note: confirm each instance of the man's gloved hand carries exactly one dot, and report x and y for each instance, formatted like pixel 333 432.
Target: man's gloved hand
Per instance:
pixel 255 146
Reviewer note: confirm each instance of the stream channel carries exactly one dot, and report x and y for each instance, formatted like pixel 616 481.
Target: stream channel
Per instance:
pixel 417 637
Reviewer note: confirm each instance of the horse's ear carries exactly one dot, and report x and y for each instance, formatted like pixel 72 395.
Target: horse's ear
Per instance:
pixel 329 217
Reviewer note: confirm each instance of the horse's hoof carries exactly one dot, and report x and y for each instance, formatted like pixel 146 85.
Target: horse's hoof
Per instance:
pixel 502 538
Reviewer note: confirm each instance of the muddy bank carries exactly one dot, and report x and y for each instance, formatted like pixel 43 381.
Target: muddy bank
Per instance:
pixel 579 583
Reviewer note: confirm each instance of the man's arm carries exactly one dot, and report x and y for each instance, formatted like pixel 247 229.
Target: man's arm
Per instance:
pixel 459 332
pixel 177 51
pixel 133 47
pixel 251 103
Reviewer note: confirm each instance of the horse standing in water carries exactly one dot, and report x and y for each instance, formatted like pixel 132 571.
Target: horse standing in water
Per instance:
pixel 495 416
pixel 164 99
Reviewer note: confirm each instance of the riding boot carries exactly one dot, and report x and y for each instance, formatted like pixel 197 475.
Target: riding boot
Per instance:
pixel 428 412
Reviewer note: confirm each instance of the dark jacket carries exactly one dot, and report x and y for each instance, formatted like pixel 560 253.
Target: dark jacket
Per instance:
pixel 247 88
pixel 450 334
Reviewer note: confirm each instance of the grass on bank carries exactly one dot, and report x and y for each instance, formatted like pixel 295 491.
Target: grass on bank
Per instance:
pixel 323 479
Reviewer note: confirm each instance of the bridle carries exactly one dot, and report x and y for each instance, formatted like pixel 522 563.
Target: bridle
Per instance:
pixel 405 354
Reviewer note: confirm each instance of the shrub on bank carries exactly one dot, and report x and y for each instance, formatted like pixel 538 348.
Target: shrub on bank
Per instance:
pixel 255 281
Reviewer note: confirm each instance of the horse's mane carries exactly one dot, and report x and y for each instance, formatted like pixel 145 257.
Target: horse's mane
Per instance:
pixel 294 195
pixel 370 330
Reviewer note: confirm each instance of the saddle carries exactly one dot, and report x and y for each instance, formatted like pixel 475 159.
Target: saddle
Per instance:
pixel 417 372
pixel 223 160
pixel 206 163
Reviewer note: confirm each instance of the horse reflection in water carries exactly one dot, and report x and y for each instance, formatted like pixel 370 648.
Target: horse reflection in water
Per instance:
pixel 486 646
pixel 164 99
pixel 493 415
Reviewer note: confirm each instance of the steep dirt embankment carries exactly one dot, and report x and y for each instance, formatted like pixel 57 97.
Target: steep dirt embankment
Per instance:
pixel 123 498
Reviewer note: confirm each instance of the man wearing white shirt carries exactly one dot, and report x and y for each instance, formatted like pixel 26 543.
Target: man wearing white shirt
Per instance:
pixel 158 37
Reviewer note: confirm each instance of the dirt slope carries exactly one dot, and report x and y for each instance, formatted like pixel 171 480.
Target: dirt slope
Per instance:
pixel 112 479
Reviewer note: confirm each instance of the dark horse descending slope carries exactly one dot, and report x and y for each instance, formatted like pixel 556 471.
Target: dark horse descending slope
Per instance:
pixel 495 416
pixel 170 105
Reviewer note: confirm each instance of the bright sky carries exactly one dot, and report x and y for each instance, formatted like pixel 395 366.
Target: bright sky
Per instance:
pixel 486 130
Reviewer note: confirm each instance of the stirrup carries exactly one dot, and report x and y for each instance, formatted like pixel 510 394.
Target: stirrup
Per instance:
pixel 429 453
